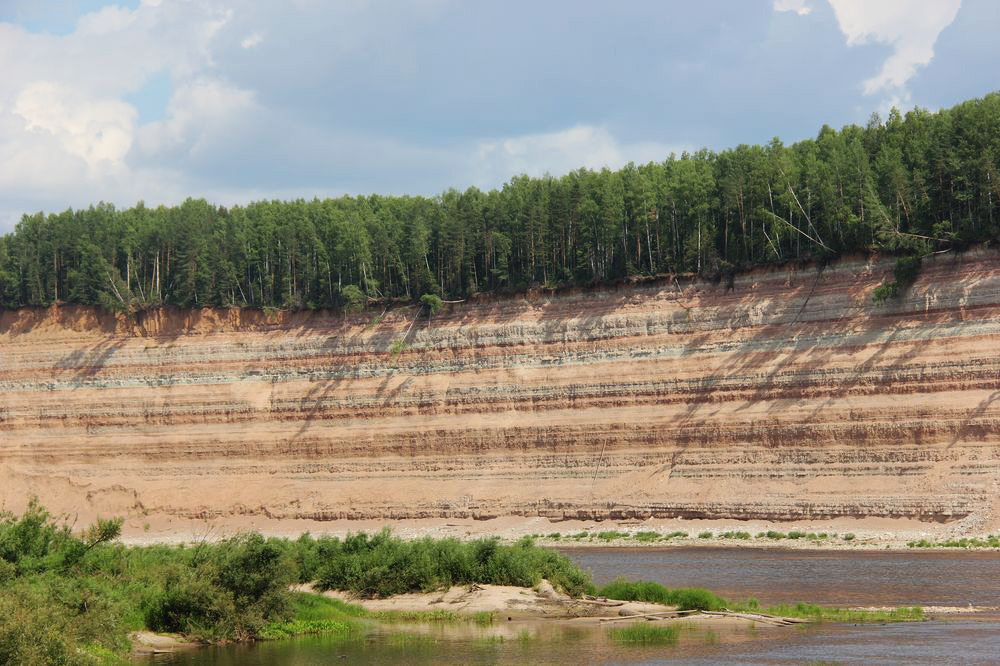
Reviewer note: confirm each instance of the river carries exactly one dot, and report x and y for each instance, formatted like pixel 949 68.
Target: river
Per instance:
pixel 863 578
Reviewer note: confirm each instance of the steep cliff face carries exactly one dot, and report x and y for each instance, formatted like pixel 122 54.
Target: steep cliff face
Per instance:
pixel 784 395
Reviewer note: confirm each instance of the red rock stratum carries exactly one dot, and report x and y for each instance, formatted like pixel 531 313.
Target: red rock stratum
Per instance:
pixel 783 395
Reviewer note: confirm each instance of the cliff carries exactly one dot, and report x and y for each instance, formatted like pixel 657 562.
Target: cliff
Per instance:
pixel 785 395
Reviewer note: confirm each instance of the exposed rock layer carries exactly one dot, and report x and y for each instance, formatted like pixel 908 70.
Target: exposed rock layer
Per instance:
pixel 783 395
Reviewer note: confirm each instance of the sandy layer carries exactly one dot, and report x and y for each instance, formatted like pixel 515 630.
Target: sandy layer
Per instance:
pixel 784 400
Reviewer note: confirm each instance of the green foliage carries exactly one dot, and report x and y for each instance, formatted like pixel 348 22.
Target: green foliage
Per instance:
pixel 822 613
pixel 611 535
pixel 382 565
pixel 916 183
pixel 991 541
pixel 705 535
pixel 905 273
pixel 735 535
pixel 432 302
pixel 279 630
pixel 354 299
pixel 646 536
pixel 684 598
pixel 848 537
pixel 645 634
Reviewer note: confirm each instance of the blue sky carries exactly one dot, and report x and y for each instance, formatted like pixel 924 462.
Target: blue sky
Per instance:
pixel 157 100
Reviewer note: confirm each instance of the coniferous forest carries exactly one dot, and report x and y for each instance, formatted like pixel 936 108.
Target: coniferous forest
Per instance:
pixel 909 184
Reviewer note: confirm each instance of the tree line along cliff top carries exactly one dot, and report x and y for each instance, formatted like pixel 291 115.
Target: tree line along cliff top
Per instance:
pixel 910 184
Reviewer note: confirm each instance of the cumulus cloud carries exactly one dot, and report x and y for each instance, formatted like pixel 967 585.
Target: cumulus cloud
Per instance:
pixel 67 134
pixel 560 152
pixel 98 130
pixel 197 107
pixel 910 27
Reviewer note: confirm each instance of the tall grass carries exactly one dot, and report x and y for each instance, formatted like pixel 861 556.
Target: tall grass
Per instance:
pixel 701 599
pixel 646 634
pixel 685 598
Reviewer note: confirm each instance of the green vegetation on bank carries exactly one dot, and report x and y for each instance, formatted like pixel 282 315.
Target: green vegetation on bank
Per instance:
pixel 991 541
pixel 74 599
pixel 645 634
pixel 70 598
pixel 685 598
pixel 383 565
pixel 702 599
pixel 910 184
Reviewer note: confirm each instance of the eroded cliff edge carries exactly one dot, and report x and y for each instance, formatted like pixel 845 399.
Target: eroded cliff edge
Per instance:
pixel 785 395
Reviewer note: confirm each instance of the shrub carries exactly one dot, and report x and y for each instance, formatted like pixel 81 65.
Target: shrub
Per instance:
pixel 383 565
pixel 612 535
pixel 354 298
pixel 735 535
pixel 433 303
pixel 704 535
pixel 646 536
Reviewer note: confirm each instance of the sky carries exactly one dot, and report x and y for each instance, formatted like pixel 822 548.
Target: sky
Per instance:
pixel 240 100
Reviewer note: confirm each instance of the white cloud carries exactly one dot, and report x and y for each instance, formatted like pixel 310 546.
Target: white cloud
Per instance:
pixel 800 7
pixel 251 41
pixel 910 27
pixel 560 152
pixel 98 130
pixel 196 107
pixel 68 137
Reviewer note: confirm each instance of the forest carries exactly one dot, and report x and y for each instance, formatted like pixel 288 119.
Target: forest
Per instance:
pixel 908 185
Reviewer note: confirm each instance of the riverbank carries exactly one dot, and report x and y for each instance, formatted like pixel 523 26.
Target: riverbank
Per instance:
pixel 840 534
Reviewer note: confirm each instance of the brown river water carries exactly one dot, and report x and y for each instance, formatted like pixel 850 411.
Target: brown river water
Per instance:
pixel 840 578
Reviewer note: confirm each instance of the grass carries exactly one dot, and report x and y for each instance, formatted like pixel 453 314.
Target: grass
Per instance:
pixel 280 630
pixel 823 614
pixel 705 535
pixel 991 541
pixel 735 535
pixel 645 634
pixel 685 598
pixel 701 599
pixel 484 618
pixel 612 535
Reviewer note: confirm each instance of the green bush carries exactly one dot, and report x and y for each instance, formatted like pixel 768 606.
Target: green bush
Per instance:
pixel 735 535
pixel 705 535
pixel 612 535
pixel 646 536
pixel 383 565
pixel 432 302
